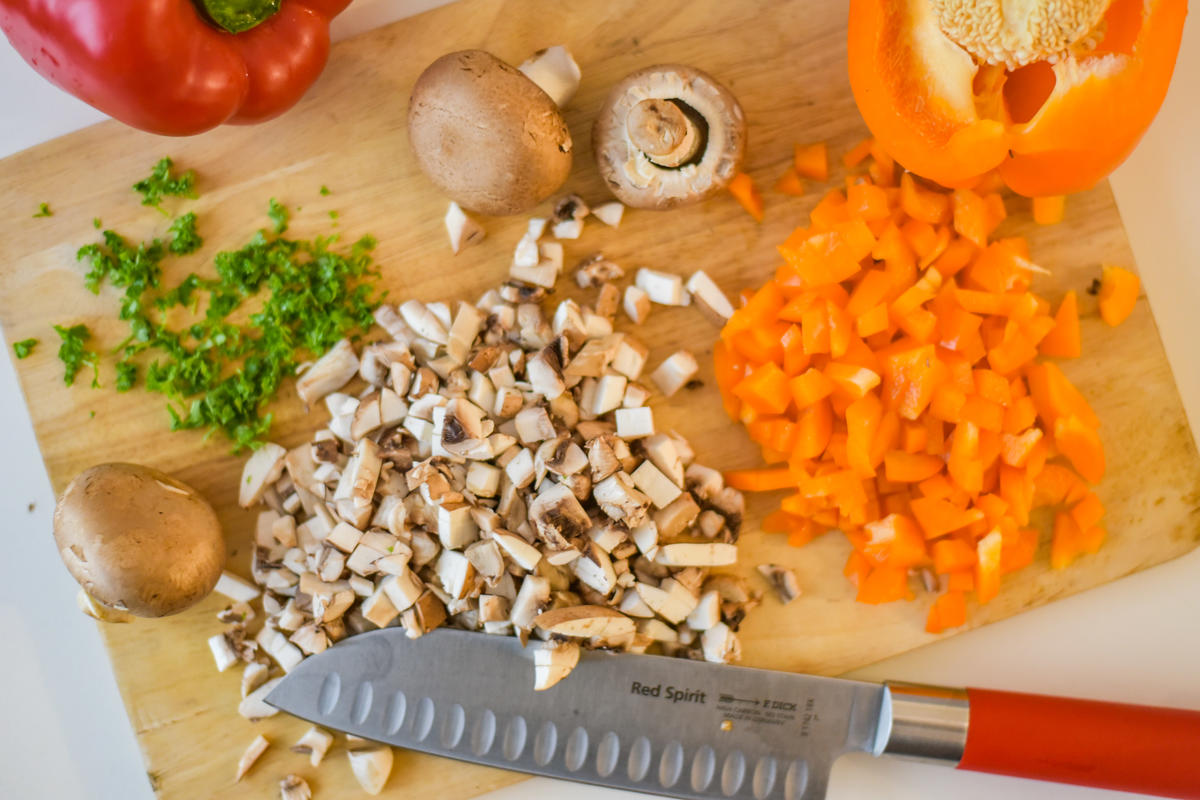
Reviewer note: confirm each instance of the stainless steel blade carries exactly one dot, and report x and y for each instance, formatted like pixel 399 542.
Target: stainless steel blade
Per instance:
pixel 645 723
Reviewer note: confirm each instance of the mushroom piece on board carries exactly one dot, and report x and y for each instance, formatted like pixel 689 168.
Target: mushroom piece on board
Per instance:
pixel 138 540
pixel 668 135
pixel 486 134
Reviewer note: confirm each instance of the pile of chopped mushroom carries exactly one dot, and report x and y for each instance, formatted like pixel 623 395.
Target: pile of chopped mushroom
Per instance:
pixel 502 472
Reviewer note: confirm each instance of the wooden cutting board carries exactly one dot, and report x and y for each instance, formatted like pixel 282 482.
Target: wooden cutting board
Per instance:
pixel 785 61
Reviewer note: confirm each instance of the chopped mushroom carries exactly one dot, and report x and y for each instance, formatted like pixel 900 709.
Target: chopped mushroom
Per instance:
pixel 782 580
pixel 500 473
pixel 554 70
pixel 609 213
pixel 250 755
pixel 262 469
pixel 553 661
pixel 675 373
pixel 293 787
pixel 463 230
pixel 331 372
pixel 636 304
pixel 371 764
pixel 254 706
pixel 662 287
pixel 315 744
pixel 668 135
pixel 709 297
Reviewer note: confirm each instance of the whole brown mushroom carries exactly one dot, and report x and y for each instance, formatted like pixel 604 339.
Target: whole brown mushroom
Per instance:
pixel 668 135
pixel 487 134
pixel 138 540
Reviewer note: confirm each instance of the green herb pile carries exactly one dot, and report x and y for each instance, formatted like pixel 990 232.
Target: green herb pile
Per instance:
pixel 219 348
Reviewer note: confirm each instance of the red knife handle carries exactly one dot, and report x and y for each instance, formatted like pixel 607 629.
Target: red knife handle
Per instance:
pixel 1107 745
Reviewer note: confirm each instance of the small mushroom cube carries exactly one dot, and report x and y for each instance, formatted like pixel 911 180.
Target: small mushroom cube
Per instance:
pixel 677 516
pixel 636 304
pixel 709 298
pixel 534 425
pixel 483 479
pixel 658 487
pixel 608 393
pixel 675 373
pixel 462 230
pixel 634 423
pixel 630 357
pixel 609 213
pixel 662 287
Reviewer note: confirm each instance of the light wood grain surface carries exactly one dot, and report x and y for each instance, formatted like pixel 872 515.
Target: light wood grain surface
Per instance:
pixel 785 61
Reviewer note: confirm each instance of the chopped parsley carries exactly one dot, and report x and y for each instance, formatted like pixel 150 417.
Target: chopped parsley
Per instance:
pixel 126 375
pixel 160 183
pixel 74 355
pixel 24 347
pixel 43 210
pixel 96 223
pixel 324 190
pixel 184 238
pixel 292 301
pixel 279 216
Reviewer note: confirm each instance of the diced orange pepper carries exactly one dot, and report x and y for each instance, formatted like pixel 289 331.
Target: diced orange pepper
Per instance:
pixel 947 404
pixel 895 540
pixel 852 380
pixel 963 464
pixel 983 302
pixel 1088 512
pixel 971 216
pixel 1067 542
pixel 904 467
pixel 730 370
pixel 1119 289
pixel 957 255
pixel 759 480
pixel 1063 341
pixel 829 211
pixel 952 555
pixel 858 154
pixel 745 192
pixel 1015 450
pixel 987 568
pixel 810 387
pixel 884 584
pixel 961 581
pixel 1054 396
pixel 765 389
pixel 949 610
pixel 815 426
pixel 1058 484
pixel 926 206
pixel 913 437
pixel 1020 415
pixel 789 183
pixel 811 161
pixel 938 516
pixel 795 360
pixel 867 202
pixel 910 379
pixel 984 413
pixel 857 568
pixel 1082 447
pixel 862 420
pixel 874 320
pixel 1048 210
pixel 1018 552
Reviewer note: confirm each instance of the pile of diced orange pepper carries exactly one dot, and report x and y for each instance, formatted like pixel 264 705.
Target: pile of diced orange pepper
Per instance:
pixel 890 372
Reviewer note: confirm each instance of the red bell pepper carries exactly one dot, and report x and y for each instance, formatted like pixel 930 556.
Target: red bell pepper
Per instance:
pixel 165 66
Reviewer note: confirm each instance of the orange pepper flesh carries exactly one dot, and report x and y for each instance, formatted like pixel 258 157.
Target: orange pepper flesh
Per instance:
pixel 745 192
pixel 1118 294
pixel 904 405
pixel 1047 129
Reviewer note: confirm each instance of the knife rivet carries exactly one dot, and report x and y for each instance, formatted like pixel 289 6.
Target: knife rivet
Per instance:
pixel 726 725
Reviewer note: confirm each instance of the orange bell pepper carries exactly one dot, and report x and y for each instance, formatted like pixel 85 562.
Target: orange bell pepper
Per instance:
pixel 949 610
pixel 1118 294
pixel 746 193
pixel 926 92
pixel 811 161
pixel 789 183
pixel 1063 339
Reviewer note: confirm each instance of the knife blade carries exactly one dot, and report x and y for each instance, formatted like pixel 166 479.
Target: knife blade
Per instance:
pixel 695 730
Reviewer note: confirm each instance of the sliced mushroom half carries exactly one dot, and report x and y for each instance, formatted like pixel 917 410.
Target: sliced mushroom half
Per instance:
pixel 667 136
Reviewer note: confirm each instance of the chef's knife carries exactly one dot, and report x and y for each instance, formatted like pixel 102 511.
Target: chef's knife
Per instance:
pixel 689 729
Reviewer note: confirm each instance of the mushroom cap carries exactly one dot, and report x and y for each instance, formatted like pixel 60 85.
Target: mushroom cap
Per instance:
pixel 632 176
pixel 486 135
pixel 138 540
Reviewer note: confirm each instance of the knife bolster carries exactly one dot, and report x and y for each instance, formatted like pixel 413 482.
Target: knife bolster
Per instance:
pixel 923 723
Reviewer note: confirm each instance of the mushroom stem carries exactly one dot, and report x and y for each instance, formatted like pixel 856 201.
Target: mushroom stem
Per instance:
pixel 664 132
pixel 555 72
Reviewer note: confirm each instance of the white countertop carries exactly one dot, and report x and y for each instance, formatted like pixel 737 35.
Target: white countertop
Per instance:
pixel 65 733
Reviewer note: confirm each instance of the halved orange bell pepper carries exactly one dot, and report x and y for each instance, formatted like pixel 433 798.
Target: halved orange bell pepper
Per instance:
pixel 954 97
